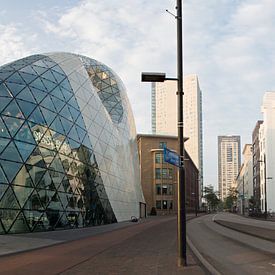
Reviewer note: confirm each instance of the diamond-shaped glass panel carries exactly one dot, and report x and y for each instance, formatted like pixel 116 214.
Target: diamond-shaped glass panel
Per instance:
pixel 8 200
pixel 33 218
pixel 37 117
pixel 11 153
pixel 47 103
pixel 38 94
pixel 24 149
pixel 20 225
pixel 23 178
pixel 28 78
pixel 15 88
pixel 4 92
pixel 26 107
pixel 3 143
pixel 8 218
pixel 25 134
pixel 26 95
pixel 13 124
pixel 13 110
pixel 10 168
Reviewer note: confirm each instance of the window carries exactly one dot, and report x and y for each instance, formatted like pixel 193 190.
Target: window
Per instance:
pixel 170 189
pixel 162 144
pixel 158 204
pixel 167 173
pixel 157 173
pixel 171 205
pixel 164 204
pixel 158 158
pixel 158 189
pixel 164 189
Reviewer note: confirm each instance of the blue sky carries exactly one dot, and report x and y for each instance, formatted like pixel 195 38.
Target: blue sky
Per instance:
pixel 228 43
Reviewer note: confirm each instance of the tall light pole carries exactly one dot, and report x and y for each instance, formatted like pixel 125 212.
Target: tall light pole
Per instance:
pixel 160 77
pixel 182 260
pixel 265 179
pixel 243 197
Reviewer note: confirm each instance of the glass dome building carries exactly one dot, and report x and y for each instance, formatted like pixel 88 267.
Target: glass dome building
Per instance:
pixel 68 152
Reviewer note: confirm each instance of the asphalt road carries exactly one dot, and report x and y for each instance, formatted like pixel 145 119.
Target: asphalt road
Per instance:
pixel 229 251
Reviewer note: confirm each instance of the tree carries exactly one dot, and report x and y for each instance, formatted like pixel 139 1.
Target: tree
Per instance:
pixel 211 197
pixel 231 199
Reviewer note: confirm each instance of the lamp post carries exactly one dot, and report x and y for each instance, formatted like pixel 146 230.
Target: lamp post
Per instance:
pixel 265 179
pixel 161 77
pixel 243 197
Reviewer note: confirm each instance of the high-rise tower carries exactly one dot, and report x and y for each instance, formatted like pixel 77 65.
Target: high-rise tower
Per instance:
pixel 229 154
pixel 164 116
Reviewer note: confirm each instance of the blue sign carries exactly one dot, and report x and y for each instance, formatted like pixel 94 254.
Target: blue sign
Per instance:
pixel 171 157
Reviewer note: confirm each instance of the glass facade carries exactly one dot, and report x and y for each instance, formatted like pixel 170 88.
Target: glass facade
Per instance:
pixel 67 134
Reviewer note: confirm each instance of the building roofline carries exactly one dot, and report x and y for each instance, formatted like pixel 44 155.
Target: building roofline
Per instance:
pixel 160 136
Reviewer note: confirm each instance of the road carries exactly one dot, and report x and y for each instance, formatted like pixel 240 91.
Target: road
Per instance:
pixel 232 252
pixel 149 247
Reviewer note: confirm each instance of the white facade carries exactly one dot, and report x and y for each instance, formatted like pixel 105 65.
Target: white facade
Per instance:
pixel 267 143
pixel 229 160
pixel 164 115
pixel 245 180
pixel 193 122
pixel 262 166
pixel 164 108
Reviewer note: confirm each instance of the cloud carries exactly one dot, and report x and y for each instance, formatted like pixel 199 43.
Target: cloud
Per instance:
pixel 129 36
pixel 230 45
pixel 12 43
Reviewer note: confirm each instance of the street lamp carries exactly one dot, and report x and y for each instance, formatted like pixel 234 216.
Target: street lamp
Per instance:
pixel 265 179
pixel 155 77
pixel 243 198
pixel 161 77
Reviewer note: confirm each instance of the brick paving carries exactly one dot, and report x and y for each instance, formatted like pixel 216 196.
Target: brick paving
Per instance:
pixel 148 247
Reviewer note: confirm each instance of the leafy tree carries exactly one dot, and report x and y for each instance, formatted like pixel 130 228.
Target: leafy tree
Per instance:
pixel 231 199
pixel 211 197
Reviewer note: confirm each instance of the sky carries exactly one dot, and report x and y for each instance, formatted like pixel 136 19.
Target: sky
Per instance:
pixel 229 44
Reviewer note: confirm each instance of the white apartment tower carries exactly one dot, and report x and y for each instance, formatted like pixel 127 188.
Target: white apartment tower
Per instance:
pixel 164 116
pixel 229 161
pixel 267 152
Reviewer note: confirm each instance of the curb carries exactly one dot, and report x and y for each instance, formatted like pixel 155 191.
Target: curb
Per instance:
pixel 210 268
pixel 219 222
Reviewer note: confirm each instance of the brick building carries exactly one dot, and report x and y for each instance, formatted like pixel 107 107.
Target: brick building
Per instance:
pixel 160 179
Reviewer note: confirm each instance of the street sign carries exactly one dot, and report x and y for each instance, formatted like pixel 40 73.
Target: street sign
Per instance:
pixel 171 157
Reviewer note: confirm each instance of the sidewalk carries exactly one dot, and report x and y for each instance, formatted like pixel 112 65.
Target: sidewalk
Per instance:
pixel 146 247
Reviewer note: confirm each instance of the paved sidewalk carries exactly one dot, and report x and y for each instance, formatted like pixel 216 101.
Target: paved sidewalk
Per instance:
pixel 147 247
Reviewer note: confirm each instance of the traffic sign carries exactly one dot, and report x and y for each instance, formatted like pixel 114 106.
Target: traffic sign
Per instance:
pixel 171 157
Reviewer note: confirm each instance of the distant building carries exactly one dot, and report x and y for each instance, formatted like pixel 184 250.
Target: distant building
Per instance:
pixel 229 160
pixel 244 180
pixel 164 116
pixel 160 179
pixel 267 148
pixel 256 165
